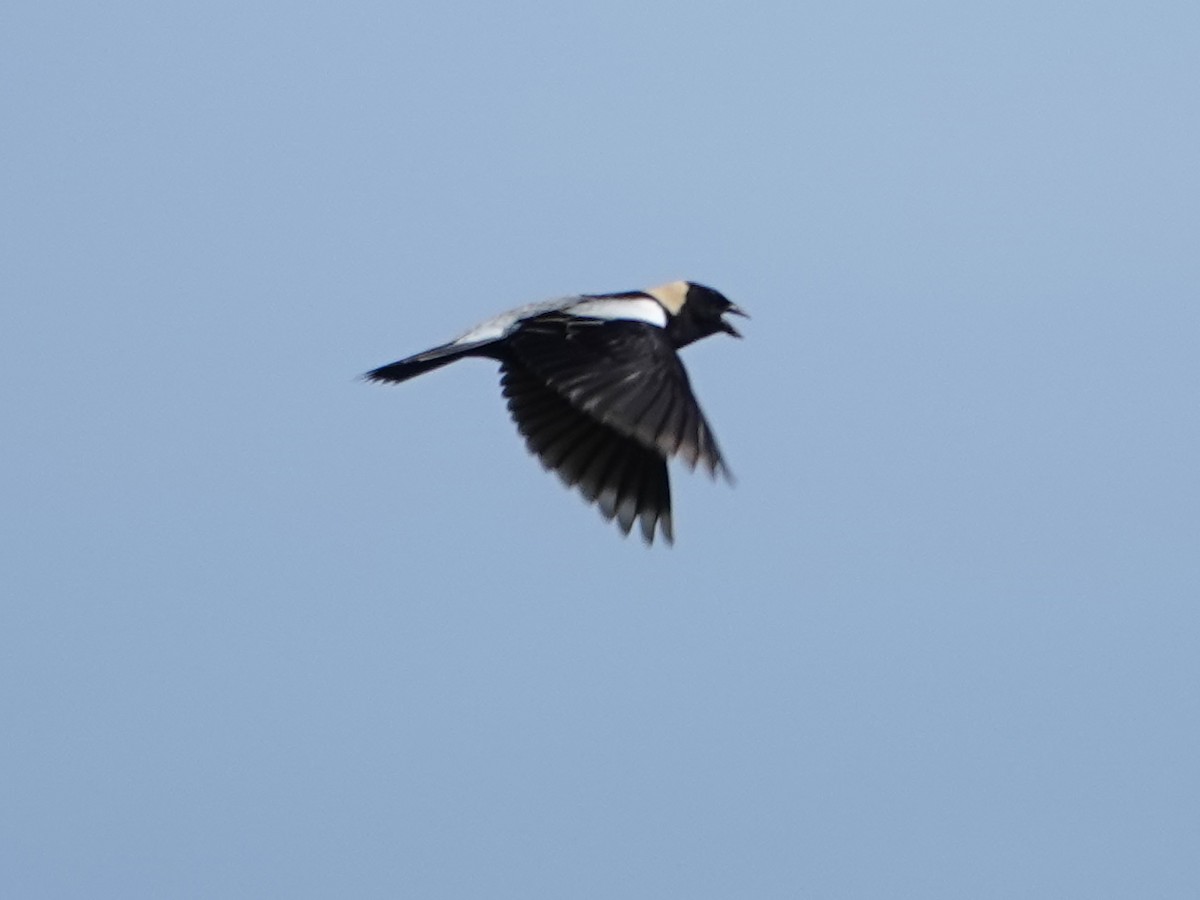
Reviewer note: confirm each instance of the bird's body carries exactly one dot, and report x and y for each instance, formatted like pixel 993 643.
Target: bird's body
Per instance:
pixel 597 389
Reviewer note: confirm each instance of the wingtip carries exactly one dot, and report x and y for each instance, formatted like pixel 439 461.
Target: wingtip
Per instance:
pixel 666 527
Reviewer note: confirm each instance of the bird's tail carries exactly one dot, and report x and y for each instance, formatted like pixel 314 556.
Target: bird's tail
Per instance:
pixel 412 366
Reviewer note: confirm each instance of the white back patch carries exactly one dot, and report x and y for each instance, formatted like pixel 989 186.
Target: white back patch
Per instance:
pixel 672 296
pixel 637 309
pixel 498 327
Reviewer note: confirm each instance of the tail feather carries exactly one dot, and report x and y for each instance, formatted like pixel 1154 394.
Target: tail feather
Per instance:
pixel 412 366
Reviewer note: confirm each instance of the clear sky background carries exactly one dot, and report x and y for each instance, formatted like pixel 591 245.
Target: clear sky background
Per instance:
pixel 268 631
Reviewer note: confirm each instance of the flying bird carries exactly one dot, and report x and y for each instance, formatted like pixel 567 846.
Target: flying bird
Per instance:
pixel 597 389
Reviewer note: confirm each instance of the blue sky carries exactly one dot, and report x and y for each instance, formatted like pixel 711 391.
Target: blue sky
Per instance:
pixel 271 631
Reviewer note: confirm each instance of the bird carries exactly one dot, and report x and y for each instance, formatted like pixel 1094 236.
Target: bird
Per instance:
pixel 596 387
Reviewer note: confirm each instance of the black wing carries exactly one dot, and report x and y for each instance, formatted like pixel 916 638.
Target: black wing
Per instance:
pixel 626 480
pixel 625 374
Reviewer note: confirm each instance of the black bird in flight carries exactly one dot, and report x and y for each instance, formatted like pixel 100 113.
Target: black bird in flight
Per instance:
pixel 597 389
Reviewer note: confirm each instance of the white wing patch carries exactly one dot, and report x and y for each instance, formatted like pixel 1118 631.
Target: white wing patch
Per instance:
pixel 637 309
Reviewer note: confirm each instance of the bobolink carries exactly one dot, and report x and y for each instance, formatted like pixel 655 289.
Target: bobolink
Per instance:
pixel 598 391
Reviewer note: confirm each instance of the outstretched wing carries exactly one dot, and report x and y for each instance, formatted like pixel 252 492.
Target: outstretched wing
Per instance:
pixel 625 479
pixel 626 375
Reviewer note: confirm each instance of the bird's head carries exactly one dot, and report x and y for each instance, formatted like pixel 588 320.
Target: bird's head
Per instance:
pixel 695 311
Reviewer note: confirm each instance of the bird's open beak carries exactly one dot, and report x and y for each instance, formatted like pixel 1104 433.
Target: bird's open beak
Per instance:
pixel 729 329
